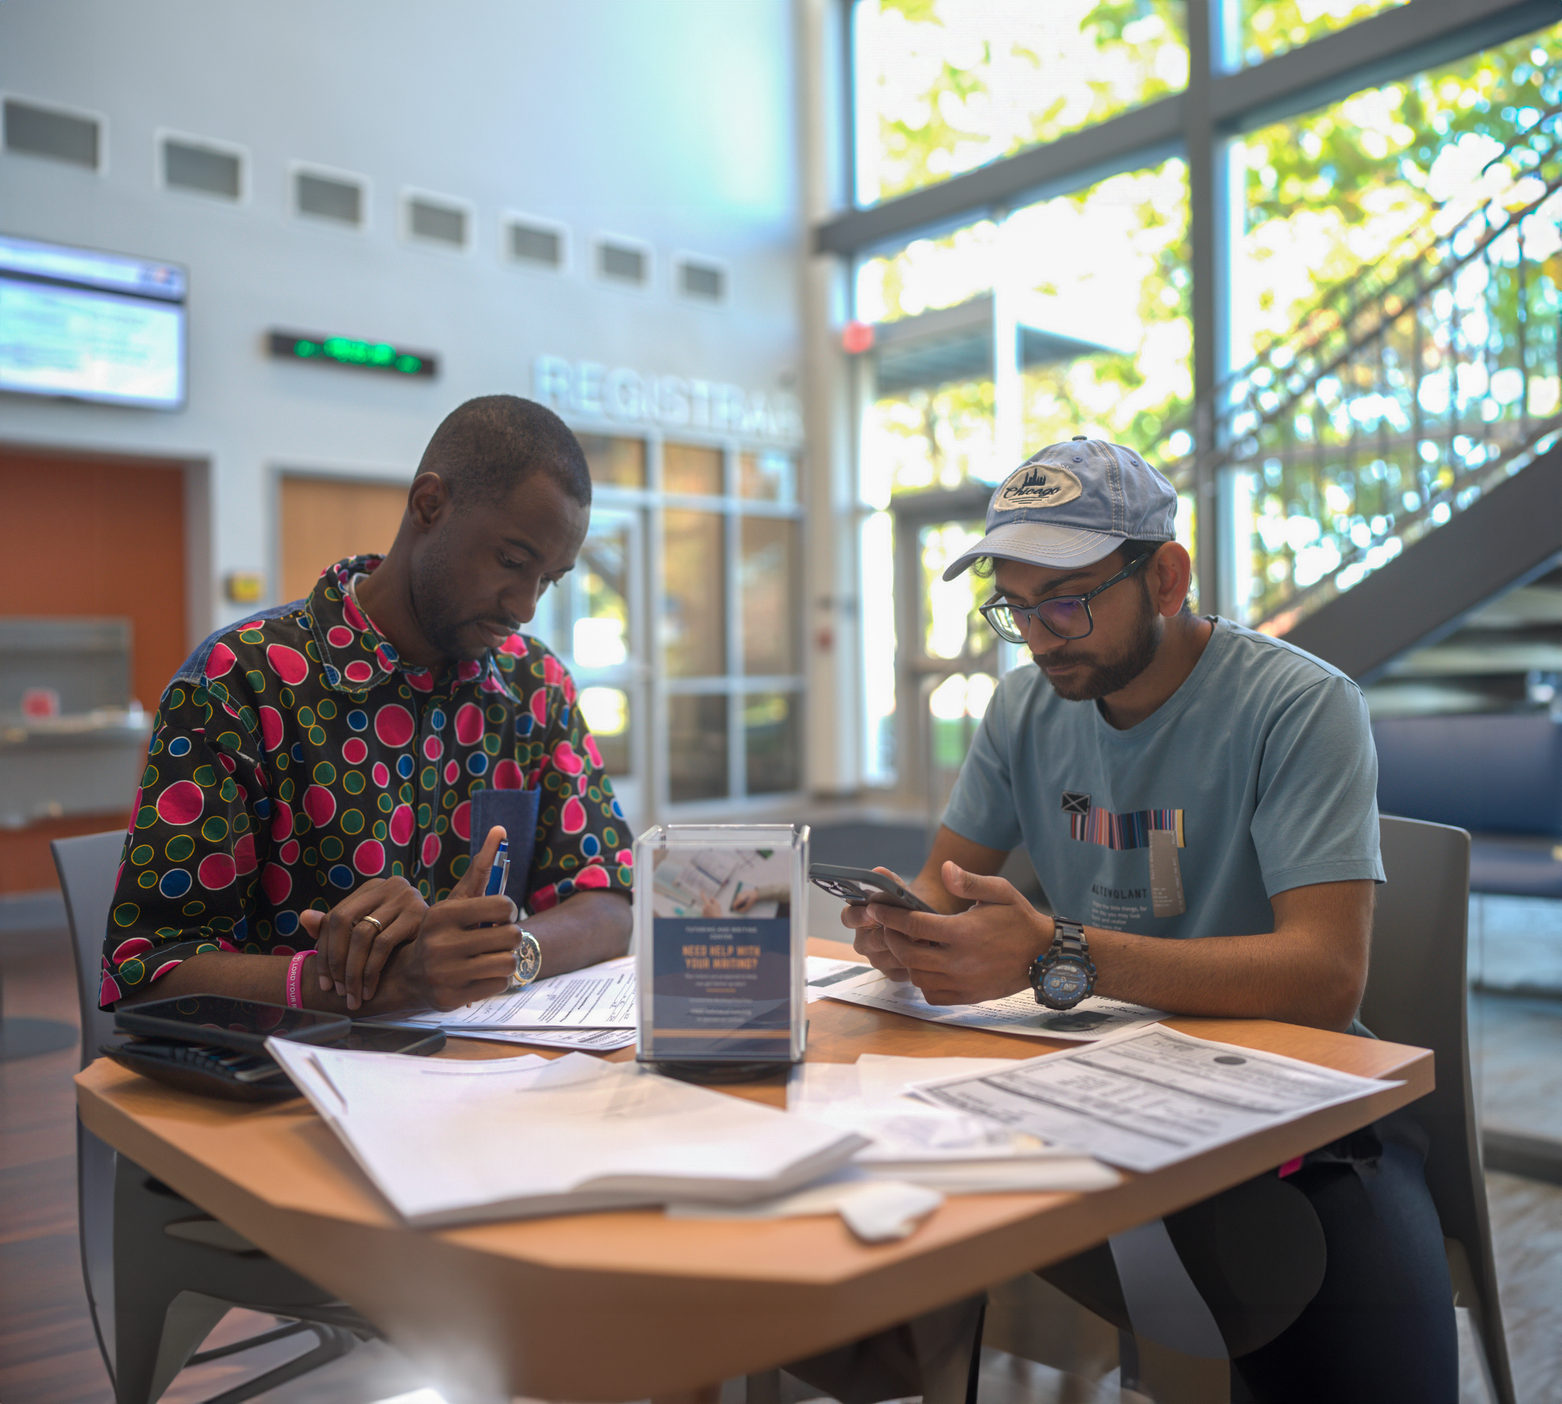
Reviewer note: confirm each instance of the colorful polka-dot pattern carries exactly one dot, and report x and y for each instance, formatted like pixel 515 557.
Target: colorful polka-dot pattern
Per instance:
pixel 303 759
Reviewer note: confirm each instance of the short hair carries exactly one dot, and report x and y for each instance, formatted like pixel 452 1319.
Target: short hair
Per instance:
pixel 484 447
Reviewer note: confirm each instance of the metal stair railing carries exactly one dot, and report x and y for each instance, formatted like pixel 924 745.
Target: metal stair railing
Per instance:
pixel 1347 315
pixel 1401 394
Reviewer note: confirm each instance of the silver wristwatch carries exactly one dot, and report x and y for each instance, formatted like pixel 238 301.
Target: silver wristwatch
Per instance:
pixel 528 962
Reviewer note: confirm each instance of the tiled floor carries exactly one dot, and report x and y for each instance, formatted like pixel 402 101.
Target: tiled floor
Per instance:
pixel 48 1354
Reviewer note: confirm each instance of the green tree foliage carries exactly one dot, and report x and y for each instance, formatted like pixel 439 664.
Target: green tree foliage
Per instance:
pixel 1337 189
pixel 1364 181
pixel 947 86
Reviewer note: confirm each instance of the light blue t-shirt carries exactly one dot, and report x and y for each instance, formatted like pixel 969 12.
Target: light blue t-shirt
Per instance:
pixel 1260 769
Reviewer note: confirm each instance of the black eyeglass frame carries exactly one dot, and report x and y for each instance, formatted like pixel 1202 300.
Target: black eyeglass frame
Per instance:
pixel 1022 613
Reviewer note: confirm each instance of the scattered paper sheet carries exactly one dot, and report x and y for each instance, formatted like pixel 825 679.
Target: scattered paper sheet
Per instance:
pixel 454 1141
pixel 597 997
pixel 877 1211
pixel 823 971
pixel 1091 1019
pixel 869 1097
pixel 1150 1097
pixel 935 1146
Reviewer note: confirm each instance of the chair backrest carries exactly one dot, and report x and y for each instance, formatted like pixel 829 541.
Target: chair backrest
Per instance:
pixel 1416 993
pixel 88 867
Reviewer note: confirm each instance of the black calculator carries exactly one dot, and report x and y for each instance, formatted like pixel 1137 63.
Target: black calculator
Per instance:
pixel 205 1068
pixel 216 1045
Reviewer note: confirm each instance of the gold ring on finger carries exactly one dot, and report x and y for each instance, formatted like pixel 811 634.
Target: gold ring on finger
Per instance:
pixel 375 922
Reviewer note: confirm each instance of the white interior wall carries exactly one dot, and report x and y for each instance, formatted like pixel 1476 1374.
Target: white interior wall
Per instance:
pixel 675 123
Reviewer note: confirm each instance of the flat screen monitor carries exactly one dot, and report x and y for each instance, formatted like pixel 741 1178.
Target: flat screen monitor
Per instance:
pixel 90 325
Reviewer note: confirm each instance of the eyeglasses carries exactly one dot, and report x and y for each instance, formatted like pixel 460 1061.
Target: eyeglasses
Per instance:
pixel 1067 616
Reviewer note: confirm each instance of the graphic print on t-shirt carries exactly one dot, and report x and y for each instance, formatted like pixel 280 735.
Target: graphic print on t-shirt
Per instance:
pixel 1159 830
pixel 1089 824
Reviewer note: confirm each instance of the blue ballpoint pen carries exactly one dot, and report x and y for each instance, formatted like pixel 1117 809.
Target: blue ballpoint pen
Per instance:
pixel 499 874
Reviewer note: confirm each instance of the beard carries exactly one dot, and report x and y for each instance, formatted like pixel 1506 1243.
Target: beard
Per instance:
pixel 440 616
pixel 1098 677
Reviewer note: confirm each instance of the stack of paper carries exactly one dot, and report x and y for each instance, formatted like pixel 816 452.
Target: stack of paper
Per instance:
pixel 593 1008
pixel 935 1146
pixel 449 1141
pixel 1089 1020
pixel 917 1152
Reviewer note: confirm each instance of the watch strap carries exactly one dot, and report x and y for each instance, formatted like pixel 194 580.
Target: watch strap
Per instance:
pixel 1068 943
pixel 1068 938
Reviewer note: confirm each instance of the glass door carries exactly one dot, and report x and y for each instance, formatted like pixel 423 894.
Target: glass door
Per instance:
pixel 597 625
pixel 948 661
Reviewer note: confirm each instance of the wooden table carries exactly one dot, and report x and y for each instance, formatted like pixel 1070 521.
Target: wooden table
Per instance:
pixel 623 1305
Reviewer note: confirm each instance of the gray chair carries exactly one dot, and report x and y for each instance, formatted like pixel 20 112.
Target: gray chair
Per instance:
pixel 159 1272
pixel 1416 994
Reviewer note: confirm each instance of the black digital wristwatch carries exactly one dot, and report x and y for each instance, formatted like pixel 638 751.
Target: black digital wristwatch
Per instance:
pixel 1062 975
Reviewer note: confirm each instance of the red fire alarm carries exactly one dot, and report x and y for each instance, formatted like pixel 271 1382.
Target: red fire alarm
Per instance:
pixel 857 337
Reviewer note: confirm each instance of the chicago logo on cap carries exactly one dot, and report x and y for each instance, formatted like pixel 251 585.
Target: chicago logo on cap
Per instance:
pixel 1033 485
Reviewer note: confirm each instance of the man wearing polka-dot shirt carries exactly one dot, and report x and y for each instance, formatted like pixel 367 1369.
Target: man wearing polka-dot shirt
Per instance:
pixel 337 773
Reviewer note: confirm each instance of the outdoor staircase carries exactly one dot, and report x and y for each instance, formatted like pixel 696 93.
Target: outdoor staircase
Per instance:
pixel 1404 446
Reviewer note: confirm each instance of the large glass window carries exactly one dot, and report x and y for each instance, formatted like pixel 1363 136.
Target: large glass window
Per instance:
pixel 1270 27
pixel 1393 329
pixel 694 619
pixel 943 86
pixel 689 675
pixel 772 742
pixel 614 462
pixel 767 585
pixel 768 477
pixel 1087 296
pixel 688 468
pixel 1106 289
pixel 1354 463
pixel 731 622
pixel 595 620
pixel 697 748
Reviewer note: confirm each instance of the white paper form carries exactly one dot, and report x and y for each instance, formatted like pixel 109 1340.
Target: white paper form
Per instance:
pixel 929 1145
pixel 823 971
pixel 597 997
pixel 590 1040
pixel 1089 1020
pixel 1150 1097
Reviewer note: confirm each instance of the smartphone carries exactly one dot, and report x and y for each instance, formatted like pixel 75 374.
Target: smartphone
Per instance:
pixel 859 886
pixel 241 1024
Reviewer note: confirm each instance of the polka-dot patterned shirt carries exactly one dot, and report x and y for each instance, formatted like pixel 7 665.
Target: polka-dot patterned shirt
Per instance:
pixel 294 758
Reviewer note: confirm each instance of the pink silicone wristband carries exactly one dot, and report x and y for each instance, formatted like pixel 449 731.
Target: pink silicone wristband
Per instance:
pixel 295 972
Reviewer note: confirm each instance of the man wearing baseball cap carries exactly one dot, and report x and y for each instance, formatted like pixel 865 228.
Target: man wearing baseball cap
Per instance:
pixel 1199 802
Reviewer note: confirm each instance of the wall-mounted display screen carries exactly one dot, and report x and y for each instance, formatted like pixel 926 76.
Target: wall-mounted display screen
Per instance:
pixel 90 325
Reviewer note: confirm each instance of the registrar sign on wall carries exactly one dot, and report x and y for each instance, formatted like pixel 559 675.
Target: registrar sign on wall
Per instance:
pixel 589 390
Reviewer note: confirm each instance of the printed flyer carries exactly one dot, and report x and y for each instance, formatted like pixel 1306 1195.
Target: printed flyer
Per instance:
pixel 720 972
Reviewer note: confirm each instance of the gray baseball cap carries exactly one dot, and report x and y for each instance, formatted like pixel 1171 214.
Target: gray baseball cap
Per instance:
pixel 1071 504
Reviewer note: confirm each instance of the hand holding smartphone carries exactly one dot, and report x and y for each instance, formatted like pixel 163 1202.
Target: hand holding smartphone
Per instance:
pixel 859 886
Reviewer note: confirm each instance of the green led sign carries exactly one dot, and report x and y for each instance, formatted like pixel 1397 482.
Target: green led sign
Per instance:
pixel 349 351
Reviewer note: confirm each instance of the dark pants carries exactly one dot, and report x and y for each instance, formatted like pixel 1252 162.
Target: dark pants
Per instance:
pixel 1380 1326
